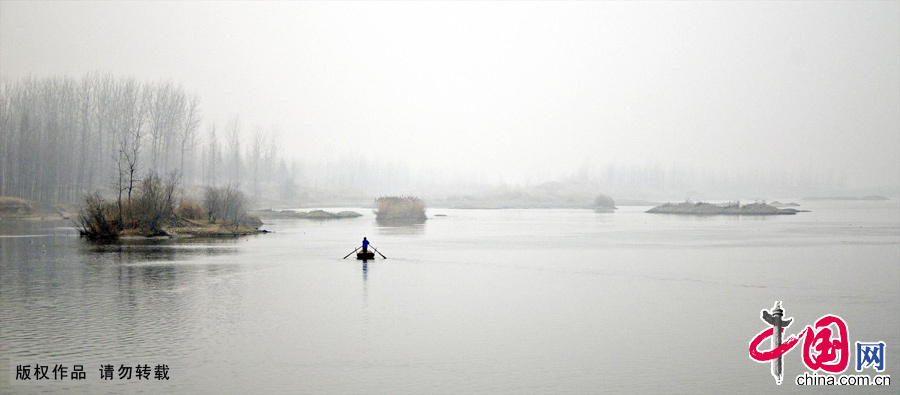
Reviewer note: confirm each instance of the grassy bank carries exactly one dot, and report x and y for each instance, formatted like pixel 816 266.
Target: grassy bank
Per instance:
pixel 207 229
pixel 17 208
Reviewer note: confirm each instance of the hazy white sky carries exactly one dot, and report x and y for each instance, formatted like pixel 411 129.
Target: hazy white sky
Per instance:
pixel 510 89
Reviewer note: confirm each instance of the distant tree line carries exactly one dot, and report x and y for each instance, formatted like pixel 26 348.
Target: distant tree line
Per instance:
pixel 654 179
pixel 62 138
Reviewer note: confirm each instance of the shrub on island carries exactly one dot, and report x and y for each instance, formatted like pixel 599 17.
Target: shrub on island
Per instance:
pixel 154 211
pixel 14 206
pixel 399 208
pixel 189 209
pixel 604 203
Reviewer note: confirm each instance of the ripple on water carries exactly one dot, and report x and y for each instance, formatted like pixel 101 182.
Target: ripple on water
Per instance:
pixel 501 301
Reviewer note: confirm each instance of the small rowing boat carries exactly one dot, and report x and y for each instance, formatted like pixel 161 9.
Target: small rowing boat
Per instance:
pixel 365 255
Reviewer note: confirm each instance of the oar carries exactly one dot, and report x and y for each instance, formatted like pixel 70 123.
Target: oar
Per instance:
pixel 376 250
pixel 351 253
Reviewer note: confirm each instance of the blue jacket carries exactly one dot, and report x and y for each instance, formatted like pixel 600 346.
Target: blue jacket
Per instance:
pixel 365 243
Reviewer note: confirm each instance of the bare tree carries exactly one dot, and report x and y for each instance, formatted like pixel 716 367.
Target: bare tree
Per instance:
pixel 255 157
pixel 155 202
pixel 188 132
pixel 157 120
pixel 272 150
pixel 130 140
pixel 212 161
pixel 226 204
pixel 5 140
pixel 234 149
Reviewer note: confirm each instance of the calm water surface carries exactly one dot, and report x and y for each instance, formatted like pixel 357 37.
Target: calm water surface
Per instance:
pixel 479 301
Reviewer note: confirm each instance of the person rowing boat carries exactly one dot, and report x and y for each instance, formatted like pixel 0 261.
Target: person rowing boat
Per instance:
pixel 364 254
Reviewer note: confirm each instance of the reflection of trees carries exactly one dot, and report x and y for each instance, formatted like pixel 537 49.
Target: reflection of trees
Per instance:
pixel 131 297
pixel 134 298
pixel 133 250
pixel 400 226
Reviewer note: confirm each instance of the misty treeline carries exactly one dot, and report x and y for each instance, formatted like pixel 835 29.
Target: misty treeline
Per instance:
pixel 657 181
pixel 64 137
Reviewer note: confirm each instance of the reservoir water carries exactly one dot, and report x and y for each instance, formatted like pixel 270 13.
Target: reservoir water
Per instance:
pixel 478 301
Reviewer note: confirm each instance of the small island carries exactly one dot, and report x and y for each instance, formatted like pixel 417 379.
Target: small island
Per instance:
pixel 14 208
pixel 154 209
pixel 604 204
pixel 731 208
pixel 399 208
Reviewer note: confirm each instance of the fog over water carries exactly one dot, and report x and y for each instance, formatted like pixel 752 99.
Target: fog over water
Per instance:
pixel 512 92
pixel 574 118
pixel 480 301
